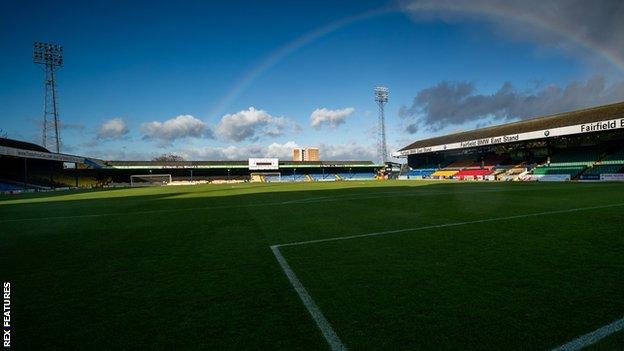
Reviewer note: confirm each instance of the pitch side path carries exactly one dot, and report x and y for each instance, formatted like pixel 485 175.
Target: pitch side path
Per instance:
pixel 456 266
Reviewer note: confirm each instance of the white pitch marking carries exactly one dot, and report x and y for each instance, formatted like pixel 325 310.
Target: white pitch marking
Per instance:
pixel 330 335
pixel 537 214
pixel 328 332
pixel 593 337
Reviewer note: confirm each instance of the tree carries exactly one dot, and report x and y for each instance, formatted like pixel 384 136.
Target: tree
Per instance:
pixel 168 158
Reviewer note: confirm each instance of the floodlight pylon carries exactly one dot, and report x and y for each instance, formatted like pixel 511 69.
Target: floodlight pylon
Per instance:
pixel 381 97
pixel 50 56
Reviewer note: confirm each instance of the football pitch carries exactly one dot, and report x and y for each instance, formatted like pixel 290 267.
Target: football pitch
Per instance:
pixel 356 265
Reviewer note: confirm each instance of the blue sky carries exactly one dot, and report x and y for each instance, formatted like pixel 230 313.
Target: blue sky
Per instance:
pixel 146 78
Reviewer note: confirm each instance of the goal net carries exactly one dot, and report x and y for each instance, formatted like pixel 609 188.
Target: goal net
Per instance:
pixel 150 179
pixel 266 177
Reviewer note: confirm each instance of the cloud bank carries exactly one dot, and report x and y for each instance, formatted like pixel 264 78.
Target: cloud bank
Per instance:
pixel 347 151
pixel 336 152
pixel 183 126
pixel 450 104
pixel 330 118
pixel 114 128
pixel 252 124
pixel 233 152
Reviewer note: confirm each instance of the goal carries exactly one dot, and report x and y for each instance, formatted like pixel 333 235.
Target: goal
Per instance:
pixel 266 177
pixel 149 179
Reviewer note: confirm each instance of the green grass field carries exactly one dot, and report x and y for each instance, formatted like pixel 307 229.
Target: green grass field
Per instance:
pixel 501 266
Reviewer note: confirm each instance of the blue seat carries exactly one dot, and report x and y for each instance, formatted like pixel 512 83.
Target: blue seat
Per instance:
pixel 9 187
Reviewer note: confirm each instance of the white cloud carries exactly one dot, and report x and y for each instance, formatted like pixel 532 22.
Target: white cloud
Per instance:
pixel 232 152
pixel 342 152
pixel 354 151
pixel 252 124
pixel 282 151
pixel 347 151
pixel 114 128
pixel 331 118
pixel 182 126
pixel 120 155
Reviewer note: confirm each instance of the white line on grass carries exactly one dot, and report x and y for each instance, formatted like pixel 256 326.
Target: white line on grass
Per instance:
pixel 328 332
pixel 332 338
pixel 455 224
pixel 593 337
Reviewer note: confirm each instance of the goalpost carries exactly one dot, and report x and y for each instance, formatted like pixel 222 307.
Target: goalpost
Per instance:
pixel 149 179
pixel 266 177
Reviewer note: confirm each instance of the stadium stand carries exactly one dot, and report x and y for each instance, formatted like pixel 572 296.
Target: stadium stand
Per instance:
pixel 420 173
pixel 345 176
pixel 572 161
pixel 568 145
pixel 444 174
pixel 470 174
pixel 616 158
pixel 588 115
pixel 461 163
pixel 576 156
pixel 612 163
pixel 294 177
pixel 492 161
pixel 429 164
pixel 4 186
pixel 363 176
pixel 22 145
pixel 35 167
pixel 271 178
pixel 604 169
pixel 322 176
pixel 356 176
pixel 515 170
pixel 572 171
pixel 94 163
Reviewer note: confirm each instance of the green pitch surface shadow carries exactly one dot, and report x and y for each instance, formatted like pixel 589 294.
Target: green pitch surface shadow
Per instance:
pixel 191 268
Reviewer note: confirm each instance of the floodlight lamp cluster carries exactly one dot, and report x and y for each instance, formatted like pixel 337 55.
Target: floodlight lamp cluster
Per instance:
pixel 381 94
pixel 48 54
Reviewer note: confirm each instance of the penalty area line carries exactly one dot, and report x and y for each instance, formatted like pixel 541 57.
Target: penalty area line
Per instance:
pixel 334 341
pixel 323 324
pixel 593 337
pixel 455 224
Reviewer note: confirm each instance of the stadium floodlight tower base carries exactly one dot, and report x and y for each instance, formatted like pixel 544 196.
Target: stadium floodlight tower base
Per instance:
pixel 149 179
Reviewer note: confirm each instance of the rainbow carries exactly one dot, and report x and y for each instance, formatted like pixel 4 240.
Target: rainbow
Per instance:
pixel 503 12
